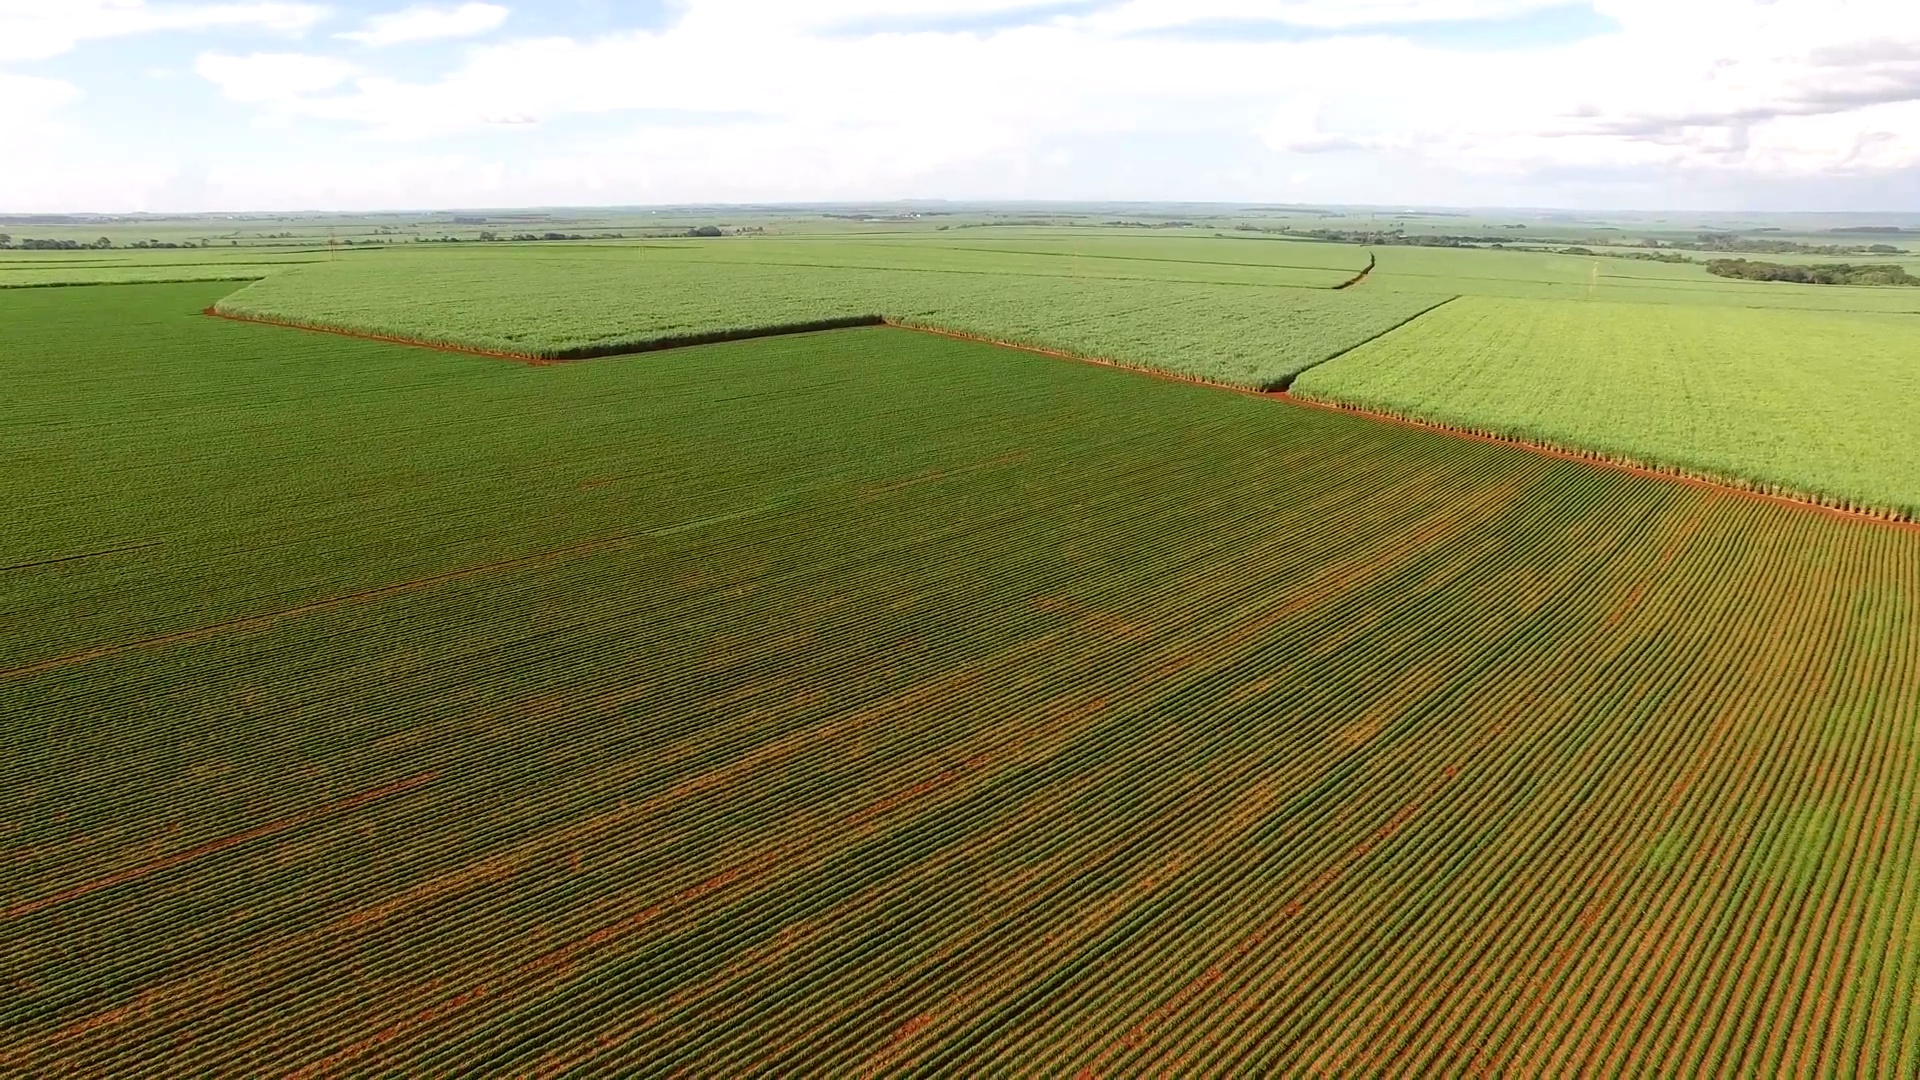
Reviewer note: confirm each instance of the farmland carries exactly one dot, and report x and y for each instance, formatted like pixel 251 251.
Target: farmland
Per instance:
pixel 1816 404
pixel 22 269
pixel 871 701
pixel 1537 275
pixel 1256 329
pixel 1800 389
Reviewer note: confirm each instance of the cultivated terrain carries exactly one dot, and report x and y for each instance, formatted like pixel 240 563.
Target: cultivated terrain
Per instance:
pixel 875 700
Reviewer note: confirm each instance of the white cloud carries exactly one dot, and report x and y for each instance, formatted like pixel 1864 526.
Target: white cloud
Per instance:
pixel 1300 127
pixel 265 78
pixel 428 24
pixel 770 99
pixel 38 29
pixel 766 15
pixel 1710 85
pixel 31 103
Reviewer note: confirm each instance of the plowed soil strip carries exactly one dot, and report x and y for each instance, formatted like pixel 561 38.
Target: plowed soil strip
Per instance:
pixel 338 806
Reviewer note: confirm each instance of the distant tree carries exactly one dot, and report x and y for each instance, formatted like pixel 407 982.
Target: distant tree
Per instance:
pixel 489 237
pixel 1813 273
pixel 103 242
pixel 706 230
pixel 6 240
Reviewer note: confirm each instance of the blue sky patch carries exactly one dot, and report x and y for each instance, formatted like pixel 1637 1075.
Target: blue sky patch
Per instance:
pixel 982 23
pixel 1546 27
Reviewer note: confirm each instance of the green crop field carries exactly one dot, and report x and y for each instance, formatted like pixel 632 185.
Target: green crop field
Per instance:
pixel 870 701
pixel 1816 404
pixel 1546 276
pixel 1801 389
pixel 592 300
pixel 37 269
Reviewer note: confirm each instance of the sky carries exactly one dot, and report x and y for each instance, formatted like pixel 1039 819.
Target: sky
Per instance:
pixel 249 105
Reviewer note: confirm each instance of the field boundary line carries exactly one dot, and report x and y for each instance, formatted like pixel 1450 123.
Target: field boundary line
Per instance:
pixel 1028 275
pixel 1886 517
pixel 368 335
pixel 211 847
pixel 1057 354
pixel 570 355
pixel 1148 258
pixel 83 555
pixel 1372 261
pixel 1286 384
pixel 250 279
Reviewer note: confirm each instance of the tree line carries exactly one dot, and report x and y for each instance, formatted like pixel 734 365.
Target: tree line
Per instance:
pixel 29 243
pixel 1815 274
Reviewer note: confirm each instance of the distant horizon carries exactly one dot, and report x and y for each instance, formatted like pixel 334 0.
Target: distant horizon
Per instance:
pixel 1270 206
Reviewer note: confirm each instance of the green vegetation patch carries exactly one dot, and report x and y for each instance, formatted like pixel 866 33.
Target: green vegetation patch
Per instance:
pixel 1542 275
pixel 591 302
pixel 1811 403
pixel 871 702
pixel 1813 273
